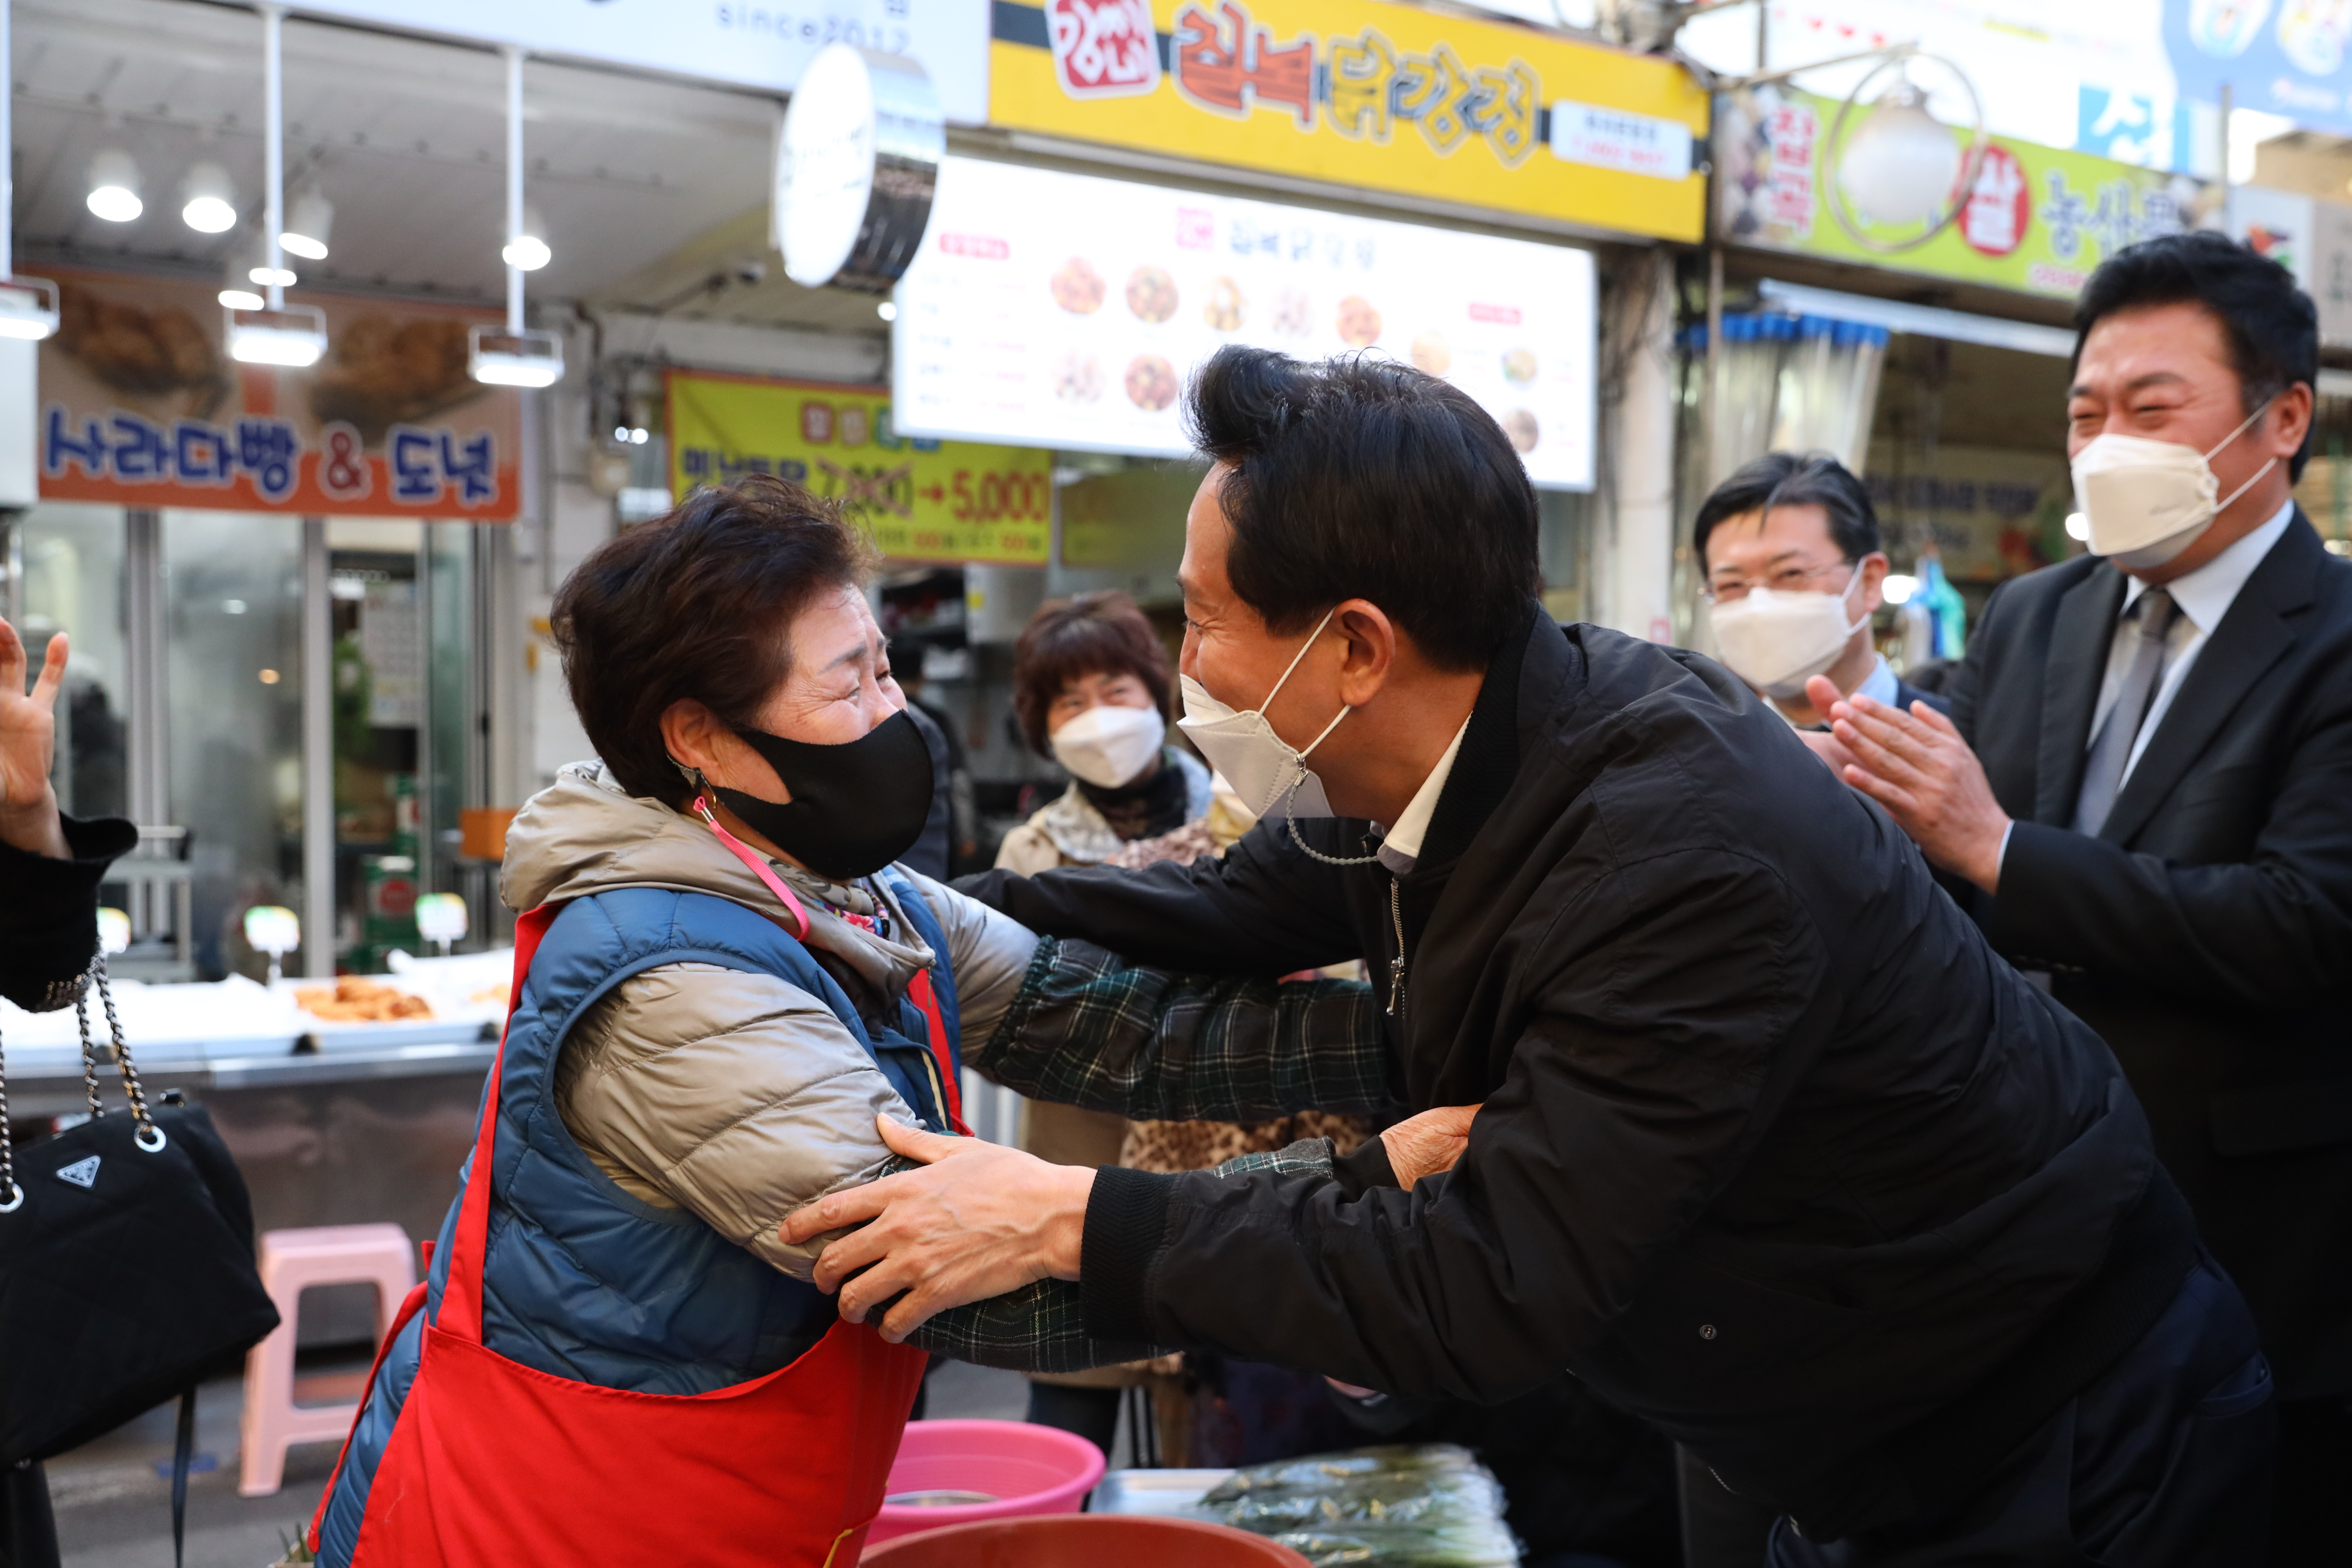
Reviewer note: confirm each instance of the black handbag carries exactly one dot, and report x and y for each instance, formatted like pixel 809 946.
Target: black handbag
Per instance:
pixel 126 1274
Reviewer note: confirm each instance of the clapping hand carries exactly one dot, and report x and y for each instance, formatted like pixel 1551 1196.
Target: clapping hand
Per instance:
pixel 1916 766
pixel 28 731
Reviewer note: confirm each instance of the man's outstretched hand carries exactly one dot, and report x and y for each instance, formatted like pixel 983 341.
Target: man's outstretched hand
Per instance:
pixel 1917 767
pixel 979 1220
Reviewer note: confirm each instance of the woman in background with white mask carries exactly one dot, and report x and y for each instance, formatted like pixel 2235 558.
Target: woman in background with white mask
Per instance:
pixel 1794 573
pixel 1090 690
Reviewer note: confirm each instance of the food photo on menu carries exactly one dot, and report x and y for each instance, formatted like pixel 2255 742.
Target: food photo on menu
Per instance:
pixel 1084 329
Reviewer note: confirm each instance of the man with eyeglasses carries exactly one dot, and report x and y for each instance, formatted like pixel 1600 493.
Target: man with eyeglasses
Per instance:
pixel 1794 573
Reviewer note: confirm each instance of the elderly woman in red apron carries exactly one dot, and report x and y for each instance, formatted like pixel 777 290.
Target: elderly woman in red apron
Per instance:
pixel 720 982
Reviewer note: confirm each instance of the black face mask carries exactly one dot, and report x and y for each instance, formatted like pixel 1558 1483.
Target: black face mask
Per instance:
pixel 855 807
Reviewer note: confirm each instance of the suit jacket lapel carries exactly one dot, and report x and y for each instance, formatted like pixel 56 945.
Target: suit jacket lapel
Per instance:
pixel 2253 637
pixel 2070 690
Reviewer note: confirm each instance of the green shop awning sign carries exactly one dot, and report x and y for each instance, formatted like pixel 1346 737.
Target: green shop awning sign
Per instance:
pixel 2035 218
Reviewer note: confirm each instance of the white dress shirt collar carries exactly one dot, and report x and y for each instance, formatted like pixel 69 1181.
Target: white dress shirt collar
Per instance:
pixel 1402 847
pixel 2206 594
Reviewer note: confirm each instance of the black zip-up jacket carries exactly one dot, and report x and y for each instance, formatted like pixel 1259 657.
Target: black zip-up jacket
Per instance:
pixel 1775 1153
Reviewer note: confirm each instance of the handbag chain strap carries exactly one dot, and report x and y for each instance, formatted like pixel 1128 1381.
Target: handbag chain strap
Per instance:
pixel 13 1197
pixel 149 1136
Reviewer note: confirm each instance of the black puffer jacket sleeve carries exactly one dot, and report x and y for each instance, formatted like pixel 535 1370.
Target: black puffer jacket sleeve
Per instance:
pixel 49 914
pixel 1626 1111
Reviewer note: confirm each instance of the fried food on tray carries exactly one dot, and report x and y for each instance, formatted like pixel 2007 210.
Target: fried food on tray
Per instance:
pixel 1078 288
pixel 1151 293
pixel 1358 324
pixel 1151 383
pixel 379 373
pixel 354 999
pixel 141 352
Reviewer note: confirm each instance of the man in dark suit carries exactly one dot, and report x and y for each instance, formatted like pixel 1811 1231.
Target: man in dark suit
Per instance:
pixel 1801 527
pixel 2145 789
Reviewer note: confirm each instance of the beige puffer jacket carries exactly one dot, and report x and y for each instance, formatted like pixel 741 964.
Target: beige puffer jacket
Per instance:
pixel 738 1096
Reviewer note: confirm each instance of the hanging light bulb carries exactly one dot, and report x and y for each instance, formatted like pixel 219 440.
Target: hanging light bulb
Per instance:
pixel 516 355
pixel 237 291
pixel 209 199
pixel 528 251
pixel 306 229
pixel 114 187
pixel 1900 167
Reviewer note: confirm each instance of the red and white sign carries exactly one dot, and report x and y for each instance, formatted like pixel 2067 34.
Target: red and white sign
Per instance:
pixel 1104 49
pixel 1789 199
pixel 2000 206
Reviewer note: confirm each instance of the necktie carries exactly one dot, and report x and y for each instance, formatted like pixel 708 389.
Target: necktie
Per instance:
pixel 2103 774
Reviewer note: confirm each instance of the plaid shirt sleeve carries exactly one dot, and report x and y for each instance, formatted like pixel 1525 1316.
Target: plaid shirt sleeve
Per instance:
pixel 1041 1327
pixel 1090 1029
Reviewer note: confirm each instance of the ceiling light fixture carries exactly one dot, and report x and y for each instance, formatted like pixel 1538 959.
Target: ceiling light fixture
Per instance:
pixel 306 230
pixel 114 187
pixel 238 292
pixel 520 355
pixel 887 310
pixel 28 306
pixel 290 336
pixel 209 199
pixel 528 251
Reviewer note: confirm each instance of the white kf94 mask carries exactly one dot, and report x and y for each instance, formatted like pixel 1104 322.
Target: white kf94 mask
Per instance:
pixel 1776 639
pixel 1109 746
pixel 1268 773
pixel 2149 500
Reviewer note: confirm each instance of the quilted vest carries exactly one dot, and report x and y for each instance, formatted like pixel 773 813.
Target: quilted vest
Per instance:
pixel 582 1281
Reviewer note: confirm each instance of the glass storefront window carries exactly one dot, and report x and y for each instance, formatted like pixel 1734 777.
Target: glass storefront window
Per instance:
pixel 232 704
pixel 73 584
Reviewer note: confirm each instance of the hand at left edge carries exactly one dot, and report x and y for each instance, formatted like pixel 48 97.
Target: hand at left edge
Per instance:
pixel 1917 767
pixel 979 1220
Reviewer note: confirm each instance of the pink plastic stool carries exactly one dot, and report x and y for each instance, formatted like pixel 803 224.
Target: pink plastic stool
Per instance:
pixel 291 1262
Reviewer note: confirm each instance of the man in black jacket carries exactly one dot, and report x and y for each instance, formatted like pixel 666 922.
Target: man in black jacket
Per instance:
pixel 1774 1151
pixel 2146 790
pixel 49 871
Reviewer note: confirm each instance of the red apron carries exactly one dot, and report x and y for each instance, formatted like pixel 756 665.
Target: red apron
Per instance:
pixel 492 1463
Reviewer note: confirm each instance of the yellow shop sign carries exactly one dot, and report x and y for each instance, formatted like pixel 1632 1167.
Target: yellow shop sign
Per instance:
pixel 1364 94
pixel 922 499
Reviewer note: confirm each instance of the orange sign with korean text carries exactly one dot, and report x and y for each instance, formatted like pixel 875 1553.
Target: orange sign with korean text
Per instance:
pixel 1363 94
pixel 141 405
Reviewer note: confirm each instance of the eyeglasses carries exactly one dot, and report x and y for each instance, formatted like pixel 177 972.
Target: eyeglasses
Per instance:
pixel 1787 580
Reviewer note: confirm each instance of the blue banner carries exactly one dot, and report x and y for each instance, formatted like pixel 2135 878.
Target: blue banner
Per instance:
pixel 2283 57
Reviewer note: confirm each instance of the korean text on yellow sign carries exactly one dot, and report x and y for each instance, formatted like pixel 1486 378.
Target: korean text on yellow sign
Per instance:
pixel 922 499
pixel 1364 94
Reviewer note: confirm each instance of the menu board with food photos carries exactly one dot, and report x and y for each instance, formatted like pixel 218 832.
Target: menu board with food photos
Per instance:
pixel 141 405
pixel 1057 310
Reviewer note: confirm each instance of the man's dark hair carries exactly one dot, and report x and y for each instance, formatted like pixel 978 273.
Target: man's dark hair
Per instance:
pixel 1068 639
pixel 696 603
pixel 1794 478
pixel 1360 478
pixel 2272 326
